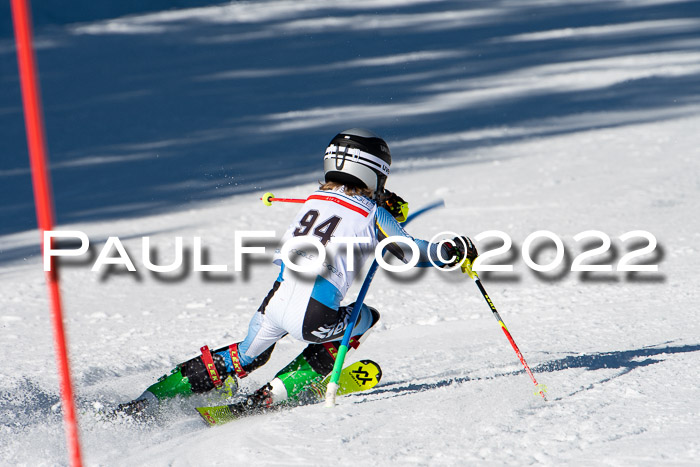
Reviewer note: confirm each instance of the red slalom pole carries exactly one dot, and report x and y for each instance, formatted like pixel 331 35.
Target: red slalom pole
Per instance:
pixel 269 198
pixel 287 200
pixel 36 142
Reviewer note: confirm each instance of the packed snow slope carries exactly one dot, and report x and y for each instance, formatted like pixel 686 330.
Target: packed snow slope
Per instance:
pixel 523 115
pixel 153 113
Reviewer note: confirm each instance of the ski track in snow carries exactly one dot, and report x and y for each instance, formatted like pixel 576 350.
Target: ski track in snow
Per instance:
pixel 618 352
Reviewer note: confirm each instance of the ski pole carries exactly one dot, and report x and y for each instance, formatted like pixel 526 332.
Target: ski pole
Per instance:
pixel 332 388
pixel 467 268
pixel 268 198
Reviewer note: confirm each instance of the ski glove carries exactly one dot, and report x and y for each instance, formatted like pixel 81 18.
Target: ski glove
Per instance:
pixel 456 250
pixel 395 204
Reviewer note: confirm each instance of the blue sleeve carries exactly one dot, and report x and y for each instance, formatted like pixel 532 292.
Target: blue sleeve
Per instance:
pixel 387 226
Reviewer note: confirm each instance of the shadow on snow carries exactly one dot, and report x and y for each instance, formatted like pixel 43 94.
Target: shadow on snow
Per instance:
pixel 150 114
pixel 625 360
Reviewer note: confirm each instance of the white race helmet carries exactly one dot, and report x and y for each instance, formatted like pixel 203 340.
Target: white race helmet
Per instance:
pixel 357 157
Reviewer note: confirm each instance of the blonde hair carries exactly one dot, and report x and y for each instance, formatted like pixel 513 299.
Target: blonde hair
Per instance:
pixel 349 189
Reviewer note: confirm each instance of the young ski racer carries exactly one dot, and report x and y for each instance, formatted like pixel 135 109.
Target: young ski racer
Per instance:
pixel 352 204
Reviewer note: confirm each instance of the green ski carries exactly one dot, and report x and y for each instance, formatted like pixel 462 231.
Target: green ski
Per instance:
pixel 360 376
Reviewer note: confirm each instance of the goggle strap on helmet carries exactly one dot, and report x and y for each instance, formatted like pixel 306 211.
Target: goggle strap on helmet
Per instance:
pixel 356 155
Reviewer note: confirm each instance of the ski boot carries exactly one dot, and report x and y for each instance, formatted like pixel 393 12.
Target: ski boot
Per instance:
pixel 258 402
pixel 301 382
pixel 295 383
pixel 207 372
pixel 291 385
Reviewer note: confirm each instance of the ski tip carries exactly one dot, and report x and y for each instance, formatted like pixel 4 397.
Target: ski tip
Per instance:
pixel 206 416
pixel 217 415
pixel 360 376
pixel 378 374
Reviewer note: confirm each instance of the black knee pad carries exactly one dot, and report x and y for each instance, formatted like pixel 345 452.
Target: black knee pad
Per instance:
pixel 318 357
pixel 197 375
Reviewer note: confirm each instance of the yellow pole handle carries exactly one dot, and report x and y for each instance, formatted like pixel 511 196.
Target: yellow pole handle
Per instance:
pixel 467 268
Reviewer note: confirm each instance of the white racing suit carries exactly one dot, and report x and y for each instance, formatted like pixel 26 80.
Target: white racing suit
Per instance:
pixel 303 305
pixel 307 306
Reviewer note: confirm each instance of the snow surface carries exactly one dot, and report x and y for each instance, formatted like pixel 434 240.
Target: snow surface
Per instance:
pixel 527 115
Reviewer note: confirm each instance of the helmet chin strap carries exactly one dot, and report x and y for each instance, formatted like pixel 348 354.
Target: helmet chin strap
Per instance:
pixel 378 193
